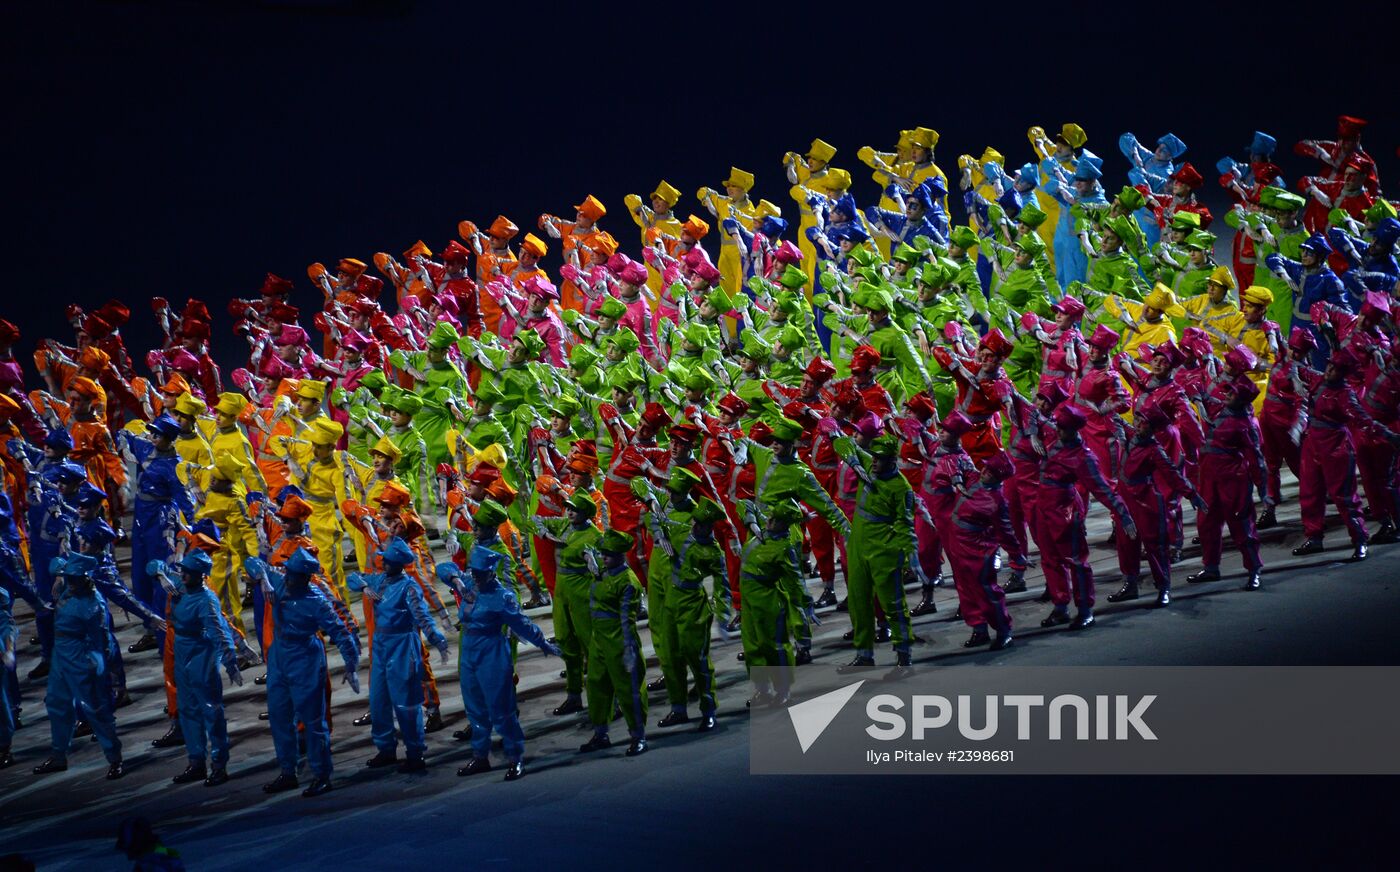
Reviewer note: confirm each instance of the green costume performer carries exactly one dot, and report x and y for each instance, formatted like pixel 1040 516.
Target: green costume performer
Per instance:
pixel 412 467
pixel 1275 229
pixel 692 608
pixel 669 523
pixel 617 669
pixel 768 575
pixel 362 407
pixel 574 537
pixel 438 381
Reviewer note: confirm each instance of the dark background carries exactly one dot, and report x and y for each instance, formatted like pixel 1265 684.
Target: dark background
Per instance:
pixel 184 149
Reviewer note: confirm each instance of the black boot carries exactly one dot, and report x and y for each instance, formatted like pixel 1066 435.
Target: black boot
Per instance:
pixel 515 771
pixel 1129 591
pixel 282 783
pixel 50 765
pixel 1056 618
pixel 412 765
pixel 260 680
pixel 844 605
pixel 7 759
pixel 599 742
pixel 1360 553
pixel 475 766
pixel 903 667
pixel 882 633
pixel 1312 546
pixel 926 605
pixel 979 637
pixel 638 747
pixel 173 737
pixel 1002 641
pixel 803 657
pixel 848 635
pixel 1164 598
pixel 193 772
pixel 145 643
pixel 1267 519
pixel 1203 576
pixel 115 771
pixel 707 722
pixel 656 684
pixel 1083 620
pixel 433 722
pixel 1386 535
pixel 39 671
pixel 860 663
pixel 571 704
pixel 363 720
pixel 826 600
pixel 673 718
pixel 1016 583
pixel 1252 582
pixel 319 786
pixel 382 759
pixel 216 777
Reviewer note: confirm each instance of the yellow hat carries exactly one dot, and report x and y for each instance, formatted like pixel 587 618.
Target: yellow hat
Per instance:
pixel 906 139
pixel 991 154
pixel 231 403
pixel 326 432
pixel 311 389
pixel 386 447
pixel 1258 295
pixel 1221 276
pixel 1073 135
pixel 229 466
pixel 822 151
pixel 739 179
pixel 189 404
pixel 665 191
pixel 1163 300
pixel 835 181
pixel 766 209
pixel 923 137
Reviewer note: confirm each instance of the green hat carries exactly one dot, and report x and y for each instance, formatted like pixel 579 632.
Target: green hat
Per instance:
pixel 1131 198
pixel 706 511
pixel 791 338
pixel 1031 216
pixel 403 401
pixel 374 380
pixel 754 346
pixel 583 356
pixel 1201 239
pixel 1278 198
pixel 761 287
pixel 616 542
pixel 624 378
pixel 699 379
pixel 1380 210
pixel 784 429
pixel 490 514
pixel 682 480
pixel 935 275
pixel 867 257
pixel 1031 244
pixel 874 298
pixel 443 336
pixel 698 334
pixel 532 341
pixel 1186 220
pixel 488 391
pixel 793 278
pixel 869 275
pixel 884 446
pixel 625 340
pixel 565 405
pixel 785 510
pixel 612 307
pixel 963 237
pixel 907 253
pixel 720 300
pixel 583 503
pixel 1126 228
pixel 788 303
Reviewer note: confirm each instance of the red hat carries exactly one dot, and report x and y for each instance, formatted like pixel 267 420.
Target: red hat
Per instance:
pixel 956 423
pixel 996 342
pixel 114 312
pixel 9 333
pixel 484 474
pixel 922 404
pixel 584 448
pixel 193 329
pixel 847 397
pixel 354 340
pixel 1359 163
pixel 684 432
pixel 656 416
pixel 1104 338
pixel 274 285
pixel 1070 416
pixel 1241 358
pixel 864 358
pixel 1188 176
pixel 290 334
pixel 632 273
pixel 283 313
pixel 707 271
pixel 455 251
pixel 761 433
pixel 96 327
pixel 1068 306
pixel 1301 339
pixel 999 465
pixel 802 414
pixel 1053 392
pixel 1349 127
pixel 733 404
pixel 787 253
pixel 196 310
pixel 820 370
pixel 363 306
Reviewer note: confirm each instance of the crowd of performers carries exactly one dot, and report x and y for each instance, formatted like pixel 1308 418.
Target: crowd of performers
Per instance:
pixel 656 430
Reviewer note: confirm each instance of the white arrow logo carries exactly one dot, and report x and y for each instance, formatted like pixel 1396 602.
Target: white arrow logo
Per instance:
pixel 811 718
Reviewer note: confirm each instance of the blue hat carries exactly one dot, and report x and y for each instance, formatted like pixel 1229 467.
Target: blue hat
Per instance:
pixel 98 532
pixel 937 187
pixel 66 471
pixel 1263 144
pixel 773 226
pixel 289 490
pixel 397 551
pixel 1175 147
pixel 923 195
pixel 197 561
pixel 89 493
pixel 1387 232
pixel 303 562
pixel 1087 171
pixel 1317 244
pixel 59 439
pixel 165 425
pixel 485 559
pixel 1226 165
pixel 73 564
pixel 846 203
pixel 447 570
pixel 853 232
pixel 208 528
pixel 1029 173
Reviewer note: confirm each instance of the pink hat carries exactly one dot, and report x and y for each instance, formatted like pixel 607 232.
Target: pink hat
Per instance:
pixel 539 286
pixel 633 273
pixel 1070 416
pixel 787 253
pixel 707 272
pixel 956 423
pixel 1375 303
pixel 1301 339
pixel 448 304
pixel 1104 338
pixel 1195 341
pixel 617 263
pixel 291 335
pixel 273 366
pixel 1241 358
pixel 354 340
pixel 1000 465
pixel 182 361
pixel 1068 306
pixel 868 425
pixel 695 257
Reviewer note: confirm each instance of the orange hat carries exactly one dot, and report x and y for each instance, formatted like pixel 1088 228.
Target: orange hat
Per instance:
pixel 534 245
pixel 94 358
pixel 696 227
pixel 591 208
pixel 417 248
pixel 295 509
pixel 8 407
pixel 503 228
pixel 501 492
pixel 176 384
pixel 352 266
pixel 394 495
pixel 583 465
pixel 203 541
pixel 85 387
pixel 412 528
pixel 603 242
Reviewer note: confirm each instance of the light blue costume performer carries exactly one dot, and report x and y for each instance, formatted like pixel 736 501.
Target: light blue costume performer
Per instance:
pixel 1312 281
pixel 51 523
pixel 203 642
pixel 296 667
pixel 160 497
pixel 1153 169
pixel 396 656
pixel 486 609
pixel 1071 264
pixel 77 678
